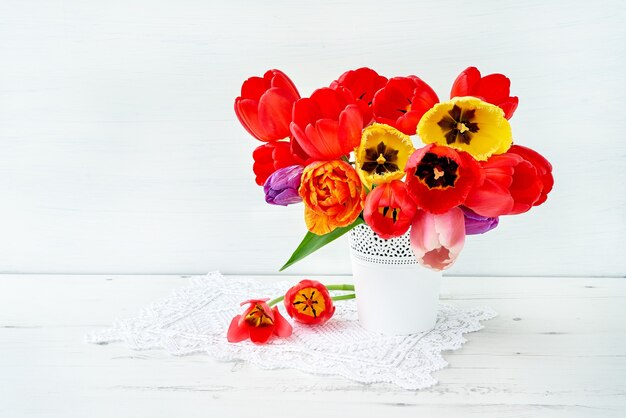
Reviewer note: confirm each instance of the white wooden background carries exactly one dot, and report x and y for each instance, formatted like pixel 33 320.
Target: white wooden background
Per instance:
pixel 120 152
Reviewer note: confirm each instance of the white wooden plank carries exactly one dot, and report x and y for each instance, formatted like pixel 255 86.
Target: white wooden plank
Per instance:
pixel 120 152
pixel 555 350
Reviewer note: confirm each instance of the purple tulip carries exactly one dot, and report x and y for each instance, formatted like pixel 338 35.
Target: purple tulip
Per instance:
pixel 476 224
pixel 281 188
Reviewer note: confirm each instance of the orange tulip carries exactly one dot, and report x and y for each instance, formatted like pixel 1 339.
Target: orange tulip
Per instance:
pixel 333 195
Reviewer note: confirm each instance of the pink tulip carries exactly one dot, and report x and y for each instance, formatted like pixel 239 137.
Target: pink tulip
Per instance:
pixel 437 240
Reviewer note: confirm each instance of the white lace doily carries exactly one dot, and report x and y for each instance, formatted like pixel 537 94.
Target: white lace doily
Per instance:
pixel 195 319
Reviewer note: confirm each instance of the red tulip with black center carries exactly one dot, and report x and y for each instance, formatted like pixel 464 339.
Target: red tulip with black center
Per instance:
pixel 363 83
pixel 402 103
pixel 440 178
pixel 309 302
pixel 389 209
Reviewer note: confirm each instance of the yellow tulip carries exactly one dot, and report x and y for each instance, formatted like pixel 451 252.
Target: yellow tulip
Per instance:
pixel 467 124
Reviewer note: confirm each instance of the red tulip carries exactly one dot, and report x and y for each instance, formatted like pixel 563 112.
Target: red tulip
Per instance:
pixel 265 105
pixel 402 103
pixel 327 125
pixel 440 178
pixel 270 157
pixel 258 323
pixel 437 240
pixel 363 83
pixel 543 167
pixel 389 209
pixel 492 88
pixel 510 185
pixel 309 302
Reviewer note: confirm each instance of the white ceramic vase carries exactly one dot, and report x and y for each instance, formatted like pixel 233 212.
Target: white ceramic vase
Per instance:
pixel 394 294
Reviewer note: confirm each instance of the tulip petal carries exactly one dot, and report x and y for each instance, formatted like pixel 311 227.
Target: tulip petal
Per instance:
pixel 494 88
pixel 260 335
pixel 323 136
pixel 237 332
pixel 490 200
pixel 305 111
pixel 451 228
pixel 424 237
pixel 275 113
pixel 301 139
pixel 331 101
pixel 254 87
pixel 350 126
pixel 317 223
pixel 423 99
pixel 509 106
pixel 282 327
pixel 248 114
pixel 464 82
pixel 525 189
pixel 280 79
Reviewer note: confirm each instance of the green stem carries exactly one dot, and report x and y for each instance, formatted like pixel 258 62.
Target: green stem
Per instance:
pixel 329 287
pixel 275 301
pixel 344 297
pixel 340 286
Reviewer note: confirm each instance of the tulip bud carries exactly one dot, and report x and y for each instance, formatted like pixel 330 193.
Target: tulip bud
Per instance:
pixel 281 188
pixel 476 224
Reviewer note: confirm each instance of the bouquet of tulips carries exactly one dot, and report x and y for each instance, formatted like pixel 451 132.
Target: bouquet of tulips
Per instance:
pixel 348 154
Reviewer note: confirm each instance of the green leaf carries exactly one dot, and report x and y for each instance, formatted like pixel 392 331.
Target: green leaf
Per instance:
pixel 312 242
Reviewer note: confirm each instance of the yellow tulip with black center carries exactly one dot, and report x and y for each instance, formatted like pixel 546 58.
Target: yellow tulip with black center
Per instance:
pixel 382 154
pixel 467 124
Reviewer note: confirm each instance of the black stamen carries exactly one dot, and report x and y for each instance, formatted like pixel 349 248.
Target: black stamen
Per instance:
pixel 430 163
pixel 456 121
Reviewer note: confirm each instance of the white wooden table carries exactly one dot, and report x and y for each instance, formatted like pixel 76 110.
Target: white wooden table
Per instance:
pixel 557 349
